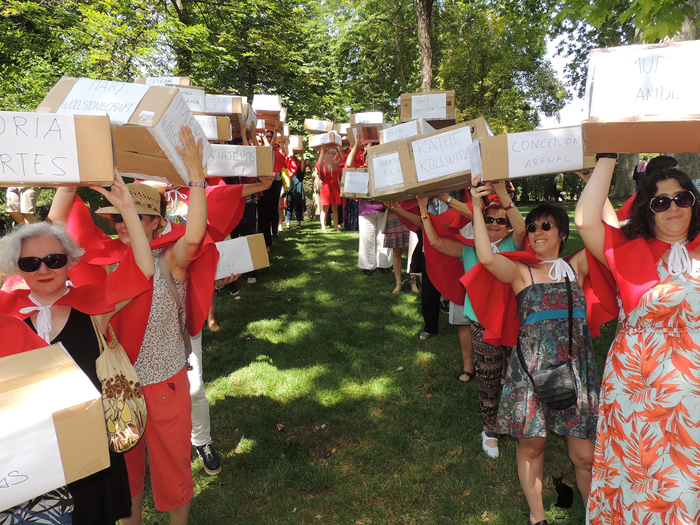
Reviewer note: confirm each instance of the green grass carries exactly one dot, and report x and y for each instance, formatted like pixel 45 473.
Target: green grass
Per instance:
pixel 327 408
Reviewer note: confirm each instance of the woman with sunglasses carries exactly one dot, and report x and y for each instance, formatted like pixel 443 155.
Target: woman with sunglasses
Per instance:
pixel 43 254
pixel 646 467
pixel 540 288
pixel 498 217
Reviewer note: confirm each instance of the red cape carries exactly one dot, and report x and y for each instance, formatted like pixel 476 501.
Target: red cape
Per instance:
pixel 633 280
pixel 495 306
pixel 225 207
pixel 21 336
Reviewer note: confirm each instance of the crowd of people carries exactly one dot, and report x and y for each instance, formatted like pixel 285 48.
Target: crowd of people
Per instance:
pixel 521 309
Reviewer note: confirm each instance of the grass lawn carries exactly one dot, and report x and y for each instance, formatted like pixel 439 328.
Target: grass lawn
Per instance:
pixel 327 408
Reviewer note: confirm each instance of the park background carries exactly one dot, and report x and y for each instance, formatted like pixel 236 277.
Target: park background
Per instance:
pixel 325 405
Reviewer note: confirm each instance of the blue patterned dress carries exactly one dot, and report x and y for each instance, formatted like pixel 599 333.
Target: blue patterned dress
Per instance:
pixel 545 342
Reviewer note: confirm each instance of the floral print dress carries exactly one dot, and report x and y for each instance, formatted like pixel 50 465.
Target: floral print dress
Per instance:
pixel 544 343
pixel 646 468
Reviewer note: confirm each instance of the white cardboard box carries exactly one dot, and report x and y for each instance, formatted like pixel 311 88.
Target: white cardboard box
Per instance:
pixel 331 138
pixel 145 123
pixel 240 161
pixel 267 105
pixel 195 98
pixel 216 128
pixel 355 183
pixel 241 255
pixel 52 425
pixel 407 130
pixel 368 117
pixel 317 126
pixel 42 149
pixel 163 81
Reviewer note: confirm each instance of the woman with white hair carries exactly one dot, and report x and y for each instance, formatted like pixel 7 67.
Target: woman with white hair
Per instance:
pixel 42 254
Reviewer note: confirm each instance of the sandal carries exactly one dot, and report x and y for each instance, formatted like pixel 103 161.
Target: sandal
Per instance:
pixel 426 335
pixel 398 288
pixel 414 287
pixel 490 451
pixel 213 326
pixel 470 376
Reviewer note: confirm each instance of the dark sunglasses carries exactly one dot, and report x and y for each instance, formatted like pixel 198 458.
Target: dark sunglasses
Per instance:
pixel 53 261
pixel 500 220
pixel 661 203
pixel 532 227
pixel 116 217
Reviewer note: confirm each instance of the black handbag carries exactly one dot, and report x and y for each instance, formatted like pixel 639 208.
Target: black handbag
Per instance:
pixel 556 385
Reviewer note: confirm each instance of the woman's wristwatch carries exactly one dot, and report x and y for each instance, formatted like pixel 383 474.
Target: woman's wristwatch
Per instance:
pixel 511 205
pixel 197 184
pixel 448 200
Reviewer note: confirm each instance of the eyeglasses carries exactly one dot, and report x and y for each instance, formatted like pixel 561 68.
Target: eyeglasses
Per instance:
pixel 115 217
pixel 661 203
pixel 53 261
pixel 500 220
pixel 532 227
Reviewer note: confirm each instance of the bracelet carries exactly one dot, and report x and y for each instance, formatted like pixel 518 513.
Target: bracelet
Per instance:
pixel 511 205
pixel 606 156
pixel 424 217
pixel 197 184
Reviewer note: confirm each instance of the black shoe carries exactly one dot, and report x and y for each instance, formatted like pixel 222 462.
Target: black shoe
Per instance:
pixel 367 272
pixel 445 306
pixel 212 463
pixel 386 271
pixel 233 288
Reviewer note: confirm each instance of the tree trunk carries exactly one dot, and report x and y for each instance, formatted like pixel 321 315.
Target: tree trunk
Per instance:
pixel 624 185
pixel 424 10
pixel 183 55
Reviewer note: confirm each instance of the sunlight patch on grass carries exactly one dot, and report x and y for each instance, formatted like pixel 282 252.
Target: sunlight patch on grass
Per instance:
pixel 375 388
pixel 423 358
pixel 245 446
pixel 278 330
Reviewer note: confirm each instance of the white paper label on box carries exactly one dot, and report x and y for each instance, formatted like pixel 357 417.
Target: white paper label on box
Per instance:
pixel 195 98
pixel 641 81
pixel 429 106
pixel 370 117
pixel 162 81
pixel 442 154
pixel 234 257
pixel 220 104
pixel 475 158
pixel 545 151
pixel 296 142
pixel 103 97
pixel 35 471
pixel 233 161
pixel 356 182
pixel 38 147
pixel 267 103
pixel 209 125
pixel 386 171
pixel 146 115
pixel 402 131
pixel 166 133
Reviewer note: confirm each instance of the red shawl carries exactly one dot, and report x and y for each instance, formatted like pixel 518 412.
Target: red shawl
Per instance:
pixel 21 336
pixel 495 306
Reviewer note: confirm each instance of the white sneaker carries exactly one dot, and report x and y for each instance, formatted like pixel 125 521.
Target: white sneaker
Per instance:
pixel 251 280
pixel 491 451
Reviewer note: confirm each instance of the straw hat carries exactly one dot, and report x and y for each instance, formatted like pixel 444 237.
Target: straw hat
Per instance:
pixel 146 198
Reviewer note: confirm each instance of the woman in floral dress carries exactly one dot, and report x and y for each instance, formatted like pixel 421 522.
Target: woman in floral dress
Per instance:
pixel 541 295
pixel 647 466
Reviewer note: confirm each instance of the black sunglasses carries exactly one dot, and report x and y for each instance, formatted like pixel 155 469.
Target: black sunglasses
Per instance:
pixel 500 220
pixel 661 203
pixel 532 227
pixel 53 261
pixel 116 217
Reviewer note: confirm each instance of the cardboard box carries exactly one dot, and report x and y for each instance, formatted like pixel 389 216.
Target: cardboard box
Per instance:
pixel 41 149
pixel 283 115
pixel 296 145
pixel 326 139
pixel 531 153
pixel 52 424
pixel 386 172
pixel 439 161
pixel 318 126
pixel 342 129
pixel 217 129
pixel 225 105
pixel 164 81
pixel 145 122
pixel 241 255
pixel 195 98
pixel 355 183
pixel 643 98
pixel 240 161
pixel 285 129
pixel 267 105
pixel 437 107
pixel 374 118
pixel 414 128
pixel 246 119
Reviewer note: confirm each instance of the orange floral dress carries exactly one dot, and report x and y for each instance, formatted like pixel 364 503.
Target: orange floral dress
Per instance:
pixel 646 468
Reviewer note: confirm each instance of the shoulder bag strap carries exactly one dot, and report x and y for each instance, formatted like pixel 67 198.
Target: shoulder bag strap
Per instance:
pixel 165 270
pixel 570 300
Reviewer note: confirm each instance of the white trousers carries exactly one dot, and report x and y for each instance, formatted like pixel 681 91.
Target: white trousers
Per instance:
pixel 201 424
pixel 372 254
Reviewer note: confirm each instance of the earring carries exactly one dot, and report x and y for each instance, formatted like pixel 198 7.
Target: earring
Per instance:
pixel 561 244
